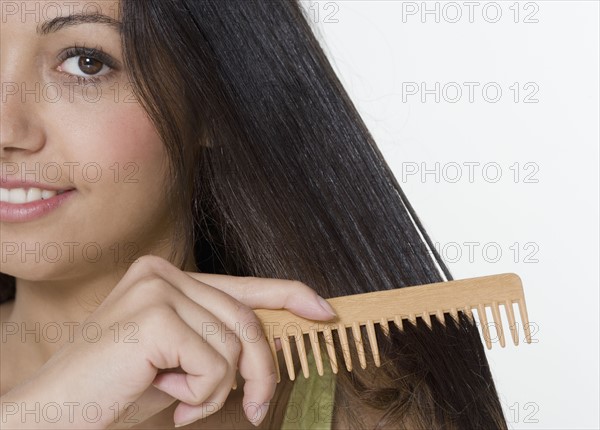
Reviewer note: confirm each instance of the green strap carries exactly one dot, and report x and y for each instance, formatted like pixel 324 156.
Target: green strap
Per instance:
pixel 311 402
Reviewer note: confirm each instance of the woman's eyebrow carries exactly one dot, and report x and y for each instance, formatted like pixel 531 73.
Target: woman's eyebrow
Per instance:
pixel 60 22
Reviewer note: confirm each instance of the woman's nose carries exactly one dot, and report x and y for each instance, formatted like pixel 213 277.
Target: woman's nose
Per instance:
pixel 21 130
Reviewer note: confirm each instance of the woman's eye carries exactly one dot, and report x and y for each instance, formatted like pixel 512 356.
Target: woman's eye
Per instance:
pixel 84 66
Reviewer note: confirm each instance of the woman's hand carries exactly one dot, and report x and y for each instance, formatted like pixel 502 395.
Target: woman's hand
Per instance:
pixel 189 334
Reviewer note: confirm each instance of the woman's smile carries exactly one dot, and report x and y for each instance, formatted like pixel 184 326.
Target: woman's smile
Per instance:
pixel 27 201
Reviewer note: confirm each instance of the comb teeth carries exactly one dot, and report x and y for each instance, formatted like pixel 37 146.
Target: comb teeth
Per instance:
pixel 396 306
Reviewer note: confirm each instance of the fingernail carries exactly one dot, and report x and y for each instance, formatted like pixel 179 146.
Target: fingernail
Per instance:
pixel 260 415
pixel 184 423
pixel 326 306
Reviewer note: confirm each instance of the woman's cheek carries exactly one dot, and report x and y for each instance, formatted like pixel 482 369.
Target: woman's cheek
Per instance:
pixel 115 144
pixel 133 160
pixel 121 169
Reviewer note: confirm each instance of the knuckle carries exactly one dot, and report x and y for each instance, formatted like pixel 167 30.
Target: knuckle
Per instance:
pixel 149 288
pixel 244 314
pixel 301 287
pixel 298 284
pixel 220 368
pixel 150 264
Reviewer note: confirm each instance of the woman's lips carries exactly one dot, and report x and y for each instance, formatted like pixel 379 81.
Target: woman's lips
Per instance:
pixel 24 212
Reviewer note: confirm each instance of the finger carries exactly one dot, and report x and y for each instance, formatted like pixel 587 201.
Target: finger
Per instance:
pixel 205 368
pixel 186 413
pixel 214 331
pixel 269 293
pixel 255 292
pixel 255 364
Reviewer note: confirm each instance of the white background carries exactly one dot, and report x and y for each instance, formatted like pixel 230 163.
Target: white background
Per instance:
pixel 541 216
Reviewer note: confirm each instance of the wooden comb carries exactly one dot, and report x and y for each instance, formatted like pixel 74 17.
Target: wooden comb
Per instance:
pixel 381 307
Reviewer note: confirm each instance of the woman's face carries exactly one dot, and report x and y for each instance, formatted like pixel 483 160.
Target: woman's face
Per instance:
pixel 70 123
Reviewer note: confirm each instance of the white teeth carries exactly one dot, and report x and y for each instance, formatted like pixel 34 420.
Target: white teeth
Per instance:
pixel 17 195
pixel 34 194
pixel 21 195
pixel 48 194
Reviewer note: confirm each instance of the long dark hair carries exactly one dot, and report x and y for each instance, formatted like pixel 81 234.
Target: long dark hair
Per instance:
pixel 276 175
